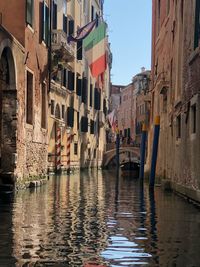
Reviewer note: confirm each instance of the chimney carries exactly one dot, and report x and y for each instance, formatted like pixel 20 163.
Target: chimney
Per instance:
pixel 143 69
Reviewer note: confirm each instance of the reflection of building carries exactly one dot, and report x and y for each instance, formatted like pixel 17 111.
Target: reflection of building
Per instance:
pixel 23 90
pixel 175 92
pixel 78 102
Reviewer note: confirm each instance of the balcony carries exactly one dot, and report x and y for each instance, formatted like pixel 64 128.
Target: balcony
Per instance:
pixel 63 50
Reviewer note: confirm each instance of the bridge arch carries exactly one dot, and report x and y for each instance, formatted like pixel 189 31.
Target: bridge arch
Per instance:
pixel 110 155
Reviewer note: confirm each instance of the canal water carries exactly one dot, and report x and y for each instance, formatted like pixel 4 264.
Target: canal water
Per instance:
pixel 94 219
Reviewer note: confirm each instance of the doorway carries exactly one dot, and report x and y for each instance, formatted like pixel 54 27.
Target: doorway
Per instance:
pixel 8 117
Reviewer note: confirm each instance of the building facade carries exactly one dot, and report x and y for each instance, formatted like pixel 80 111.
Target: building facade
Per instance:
pixel 114 100
pixel 124 113
pixel 175 92
pixel 78 102
pixel 23 90
pixel 134 108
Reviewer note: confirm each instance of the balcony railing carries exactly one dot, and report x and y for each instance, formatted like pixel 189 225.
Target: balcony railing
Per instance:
pixel 61 47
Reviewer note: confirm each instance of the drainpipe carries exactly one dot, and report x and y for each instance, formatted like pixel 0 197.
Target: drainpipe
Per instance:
pixel 50 46
pixel 142 151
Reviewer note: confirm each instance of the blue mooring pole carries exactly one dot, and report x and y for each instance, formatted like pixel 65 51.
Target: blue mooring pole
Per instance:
pixel 117 149
pixel 154 152
pixel 142 151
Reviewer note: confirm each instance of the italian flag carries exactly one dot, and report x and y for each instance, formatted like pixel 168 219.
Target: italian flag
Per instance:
pixel 95 50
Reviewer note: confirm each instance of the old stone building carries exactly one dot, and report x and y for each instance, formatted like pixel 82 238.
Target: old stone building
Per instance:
pixel 175 92
pixel 78 101
pixel 114 99
pixel 141 103
pixel 23 90
pixel 134 107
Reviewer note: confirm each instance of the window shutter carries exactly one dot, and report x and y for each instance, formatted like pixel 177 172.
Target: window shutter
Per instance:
pixel 54 26
pixel 79 53
pixel 104 107
pixel 41 21
pixel 91 95
pixel 70 117
pixel 97 20
pixel 91 127
pixel 84 124
pixel 92 13
pixel 46 25
pixel 64 83
pixel 78 86
pixel 97 99
pixel 64 23
pixel 71 80
pixel 71 27
pixel 84 90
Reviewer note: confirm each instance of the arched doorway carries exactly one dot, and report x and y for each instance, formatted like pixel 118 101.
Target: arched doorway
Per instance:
pixel 8 106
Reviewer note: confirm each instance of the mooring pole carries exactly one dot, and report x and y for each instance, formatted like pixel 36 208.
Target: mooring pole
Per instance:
pixel 142 151
pixel 117 149
pixel 154 151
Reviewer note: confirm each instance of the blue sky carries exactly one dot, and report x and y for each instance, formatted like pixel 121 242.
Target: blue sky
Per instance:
pixel 129 29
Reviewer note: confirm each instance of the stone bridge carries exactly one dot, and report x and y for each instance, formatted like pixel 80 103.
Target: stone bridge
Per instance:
pixel 109 155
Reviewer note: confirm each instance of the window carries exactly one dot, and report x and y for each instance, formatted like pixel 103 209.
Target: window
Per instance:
pixel 63 112
pixel 29 12
pixel 54 16
pixel 168 6
pixel 43 108
pixel 57 112
pixel 71 27
pixel 70 117
pixel 89 153
pixel 84 124
pixel 95 152
pixel 165 102
pixel 92 13
pixel 91 95
pixel 77 120
pixel 92 127
pixel 52 107
pixel 64 23
pixel 158 18
pixel 64 77
pixel 29 97
pixel 45 23
pixel 70 82
pixel 79 52
pixel 75 149
pixel 197 24
pixel 193 118
pixel 178 127
pixel 84 93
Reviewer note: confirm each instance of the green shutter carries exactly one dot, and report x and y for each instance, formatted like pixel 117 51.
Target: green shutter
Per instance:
pixel 70 117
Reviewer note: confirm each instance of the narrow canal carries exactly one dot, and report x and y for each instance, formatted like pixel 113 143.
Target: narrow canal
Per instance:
pixel 94 219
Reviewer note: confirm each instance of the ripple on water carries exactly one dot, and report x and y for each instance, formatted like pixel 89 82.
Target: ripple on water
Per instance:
pixel 95 218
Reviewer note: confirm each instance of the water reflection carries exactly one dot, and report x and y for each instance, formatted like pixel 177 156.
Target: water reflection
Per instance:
pixel 98 218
